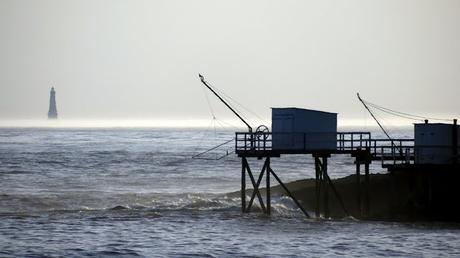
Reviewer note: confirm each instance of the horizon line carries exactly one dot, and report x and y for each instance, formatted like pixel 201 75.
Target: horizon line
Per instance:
pixel 165 123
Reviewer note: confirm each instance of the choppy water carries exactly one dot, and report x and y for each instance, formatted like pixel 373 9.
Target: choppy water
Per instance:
pixel 137 192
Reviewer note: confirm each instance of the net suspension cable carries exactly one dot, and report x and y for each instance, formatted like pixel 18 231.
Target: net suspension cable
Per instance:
pixel 403 114
pixel 368 105
pixel 215 122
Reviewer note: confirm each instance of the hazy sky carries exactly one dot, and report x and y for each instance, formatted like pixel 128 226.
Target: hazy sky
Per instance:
pixel 141 59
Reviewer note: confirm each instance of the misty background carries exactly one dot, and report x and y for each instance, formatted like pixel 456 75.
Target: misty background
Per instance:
pixel 141 59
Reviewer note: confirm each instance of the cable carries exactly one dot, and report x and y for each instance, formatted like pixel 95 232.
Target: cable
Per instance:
pixel 242 106
pixel 398 114
pixel 238 104
pixel 205 133
pixel 394 114
pixel 404 115
pixel 223 123
pixel 209 102
pixel 231 100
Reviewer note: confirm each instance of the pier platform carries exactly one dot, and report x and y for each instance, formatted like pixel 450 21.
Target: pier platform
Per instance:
pixel 357 144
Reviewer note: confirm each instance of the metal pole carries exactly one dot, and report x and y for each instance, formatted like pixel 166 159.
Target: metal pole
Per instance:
pixel 223 101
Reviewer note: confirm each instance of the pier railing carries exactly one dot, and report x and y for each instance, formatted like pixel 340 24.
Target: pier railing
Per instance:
pixel 395 151
pixel 353 140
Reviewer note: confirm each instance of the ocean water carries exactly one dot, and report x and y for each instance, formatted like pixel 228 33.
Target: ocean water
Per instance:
pixel 138 193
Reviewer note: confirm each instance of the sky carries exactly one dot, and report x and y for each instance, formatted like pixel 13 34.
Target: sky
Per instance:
pixel 140 59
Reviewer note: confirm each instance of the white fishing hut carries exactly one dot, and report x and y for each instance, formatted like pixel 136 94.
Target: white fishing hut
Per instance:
pixel 303 129
pixel 436 143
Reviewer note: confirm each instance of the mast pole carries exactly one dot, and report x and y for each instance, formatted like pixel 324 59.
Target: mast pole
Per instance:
pixel 223 101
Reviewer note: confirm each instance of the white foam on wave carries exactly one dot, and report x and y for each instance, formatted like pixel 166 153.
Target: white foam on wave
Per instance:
pixel 99 201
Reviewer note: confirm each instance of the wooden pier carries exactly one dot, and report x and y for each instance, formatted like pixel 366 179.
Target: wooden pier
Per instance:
pixel 359 145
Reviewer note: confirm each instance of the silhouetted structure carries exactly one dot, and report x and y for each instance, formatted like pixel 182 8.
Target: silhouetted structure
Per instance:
pixel 429 160
pixel 52 112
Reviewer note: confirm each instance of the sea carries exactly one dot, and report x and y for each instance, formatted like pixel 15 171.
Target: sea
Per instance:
pixel 137 192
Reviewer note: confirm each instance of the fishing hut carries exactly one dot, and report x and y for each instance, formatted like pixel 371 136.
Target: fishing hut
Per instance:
pixel 297 131
pixel 436 143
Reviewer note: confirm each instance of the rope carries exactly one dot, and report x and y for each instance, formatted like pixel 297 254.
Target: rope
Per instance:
pixel 395 114
pixel 205 133
pixel 228 97
pixel 223 124
pixel 404 115
pixel 209 103
pixel 214 123
pixel 243 107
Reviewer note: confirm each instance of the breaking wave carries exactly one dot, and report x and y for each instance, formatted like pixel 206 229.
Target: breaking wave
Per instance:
pixel 79 202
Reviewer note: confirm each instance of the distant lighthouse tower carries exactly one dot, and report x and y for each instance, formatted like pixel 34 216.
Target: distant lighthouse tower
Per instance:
pixel 52 112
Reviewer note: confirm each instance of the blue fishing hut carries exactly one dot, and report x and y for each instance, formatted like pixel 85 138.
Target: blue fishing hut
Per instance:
pixel 298 128
pixel 436 143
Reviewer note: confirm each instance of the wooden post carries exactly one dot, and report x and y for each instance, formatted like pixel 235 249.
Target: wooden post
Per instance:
pixel 288 192
pixel 454 142
pixel 317 187
pixel 339 198
pixel 358 186
pixel 255 186
pixel 243 185
pixel 326 188
pixel 367 182
pixel 267 175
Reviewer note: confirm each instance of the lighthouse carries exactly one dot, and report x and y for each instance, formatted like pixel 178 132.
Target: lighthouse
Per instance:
pixel 52 112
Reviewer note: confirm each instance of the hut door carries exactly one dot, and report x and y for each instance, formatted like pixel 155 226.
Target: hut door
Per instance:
pixel 282 128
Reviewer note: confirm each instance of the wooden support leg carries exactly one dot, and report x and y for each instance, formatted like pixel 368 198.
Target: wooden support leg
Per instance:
pixel 326 190
pixel 317 186
pixel 269 170
pixel 337 195
pixel 267 175
pixel 256 187
pixel 243 185
pixel 367 182
pixel 254 192
pixel 358 187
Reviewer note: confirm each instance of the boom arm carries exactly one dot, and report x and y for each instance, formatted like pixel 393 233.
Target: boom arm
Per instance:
pixel 226 104
pixel 381 127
